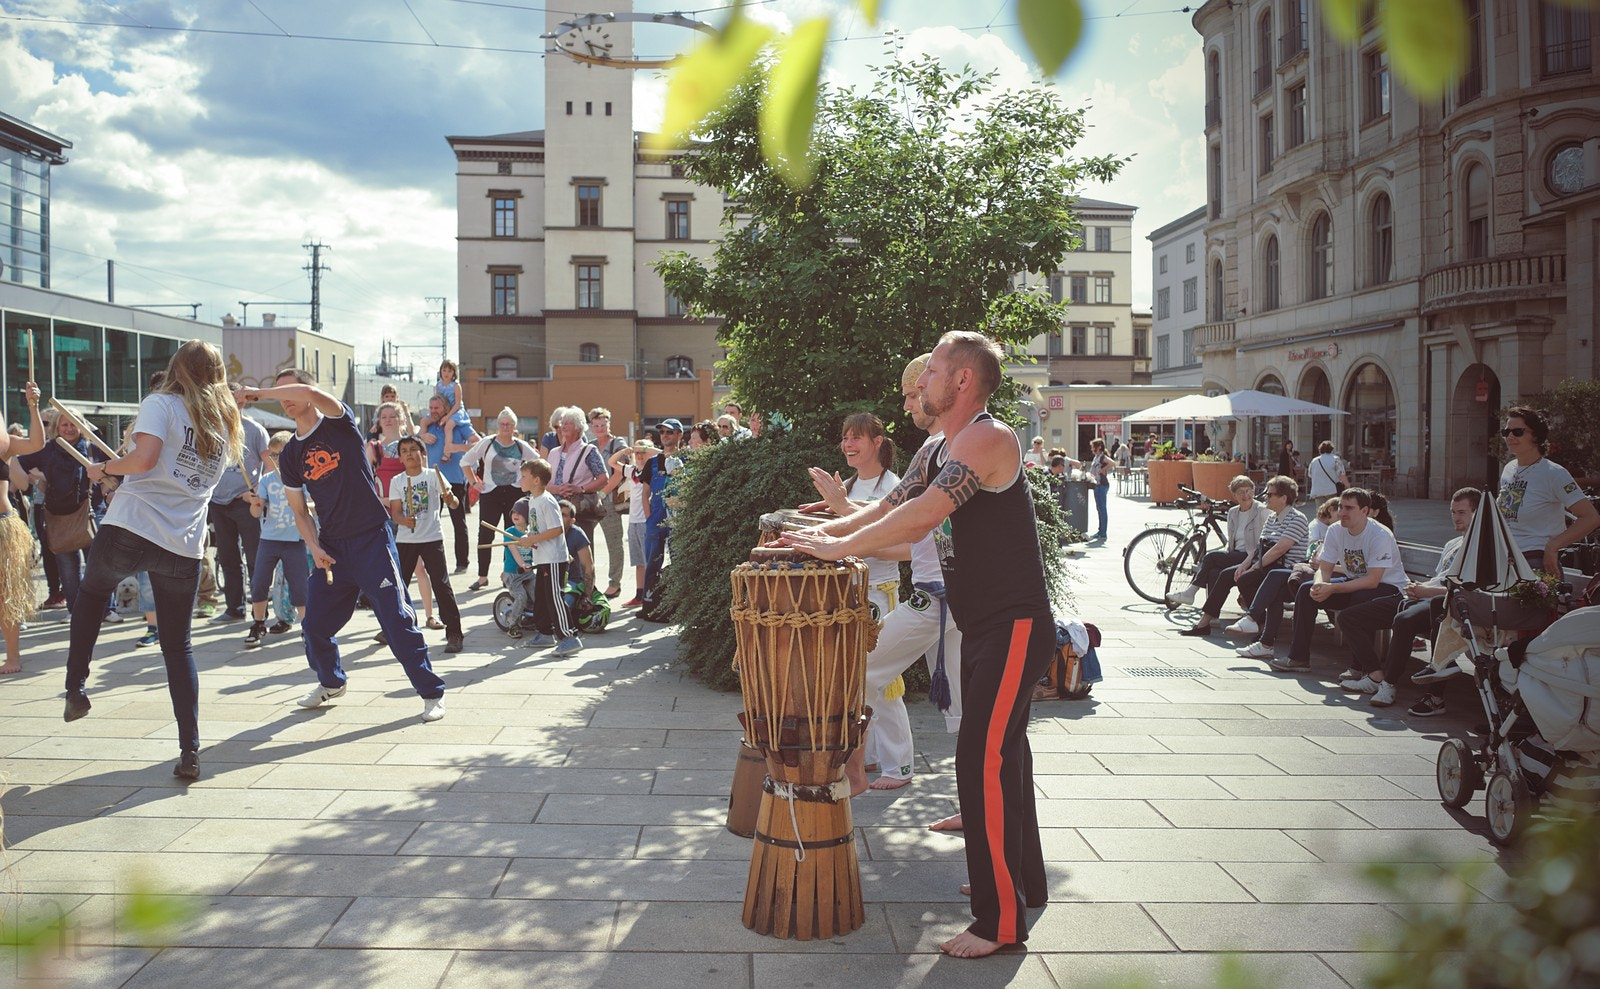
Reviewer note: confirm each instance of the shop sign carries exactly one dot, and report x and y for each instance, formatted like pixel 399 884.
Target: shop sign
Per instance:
pixel 1084 420
pixel 1312 353
pixel 1483 391
pixel 1058 402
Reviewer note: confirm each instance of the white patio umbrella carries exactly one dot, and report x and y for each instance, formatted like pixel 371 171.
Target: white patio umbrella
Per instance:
pixel 1179 410
pixel 1242 404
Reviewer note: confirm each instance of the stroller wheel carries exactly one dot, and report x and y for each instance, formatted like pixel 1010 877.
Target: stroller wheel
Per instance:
pixel 505 611
pixel 1457 774
pixel 1507 805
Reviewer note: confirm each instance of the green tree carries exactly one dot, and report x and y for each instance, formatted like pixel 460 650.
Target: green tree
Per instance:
pixel 932 191
pixel 1574 411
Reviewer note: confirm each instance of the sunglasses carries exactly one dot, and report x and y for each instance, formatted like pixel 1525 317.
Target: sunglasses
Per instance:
pixel 1517 431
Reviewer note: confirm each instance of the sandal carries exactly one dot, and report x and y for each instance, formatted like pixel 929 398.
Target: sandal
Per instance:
pixel 614 591
pixel 434 623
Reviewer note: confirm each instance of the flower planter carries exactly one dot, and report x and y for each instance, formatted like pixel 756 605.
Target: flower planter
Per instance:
pixel 1165 476
pixel 1211 478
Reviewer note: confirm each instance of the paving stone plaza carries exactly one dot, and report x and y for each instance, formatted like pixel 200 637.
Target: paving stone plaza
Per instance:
pixel 564 825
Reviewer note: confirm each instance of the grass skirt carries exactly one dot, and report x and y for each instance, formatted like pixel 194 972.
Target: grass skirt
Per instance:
pixel 17 603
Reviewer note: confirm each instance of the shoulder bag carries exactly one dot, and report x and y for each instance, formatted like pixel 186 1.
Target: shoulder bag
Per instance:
pixel 70 532
pixel 590 506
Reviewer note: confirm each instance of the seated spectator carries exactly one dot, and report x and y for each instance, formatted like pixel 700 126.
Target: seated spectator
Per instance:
pixel 1245 521
pixel 1370 556
pixel 1417 613
pixel 1280 540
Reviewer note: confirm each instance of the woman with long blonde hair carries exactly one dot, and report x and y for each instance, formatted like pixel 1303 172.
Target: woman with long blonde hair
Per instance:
pixel 186 433
pixel 16 542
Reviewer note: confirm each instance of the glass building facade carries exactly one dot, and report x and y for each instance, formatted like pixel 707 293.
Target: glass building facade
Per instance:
pixel 26 156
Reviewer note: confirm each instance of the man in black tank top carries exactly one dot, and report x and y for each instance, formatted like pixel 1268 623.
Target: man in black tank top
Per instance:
pixel 994 579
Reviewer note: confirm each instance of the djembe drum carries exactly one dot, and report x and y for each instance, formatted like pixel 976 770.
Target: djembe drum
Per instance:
pixel 803 630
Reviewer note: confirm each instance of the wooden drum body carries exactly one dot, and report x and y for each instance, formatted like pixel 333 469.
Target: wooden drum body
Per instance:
pixel 804 629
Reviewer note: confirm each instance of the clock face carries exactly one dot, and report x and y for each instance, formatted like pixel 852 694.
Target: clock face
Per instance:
pixel 597 40
pixel 587 41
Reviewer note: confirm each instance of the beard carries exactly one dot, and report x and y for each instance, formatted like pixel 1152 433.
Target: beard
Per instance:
pixel 934 406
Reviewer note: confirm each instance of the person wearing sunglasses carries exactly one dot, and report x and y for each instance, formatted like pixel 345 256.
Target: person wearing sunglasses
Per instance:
pixel 1536 493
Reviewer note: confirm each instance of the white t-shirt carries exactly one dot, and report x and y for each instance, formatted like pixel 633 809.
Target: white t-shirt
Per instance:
pixel 545 514
pixel 167 503
pixel 1323 473
pixel 419 498
pixel 1374 547
pixel 1447 561
pixel 1533 499
pixel 878 571
pixel 638 498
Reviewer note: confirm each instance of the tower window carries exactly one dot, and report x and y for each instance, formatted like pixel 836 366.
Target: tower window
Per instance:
pixel 569 108
pixel 588 109
pixel 608 108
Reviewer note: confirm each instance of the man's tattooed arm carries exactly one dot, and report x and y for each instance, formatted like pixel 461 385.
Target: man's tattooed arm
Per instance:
pixel 958 481
pixel 915 480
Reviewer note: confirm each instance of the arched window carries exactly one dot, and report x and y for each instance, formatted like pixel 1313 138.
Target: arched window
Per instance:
pixel 1215 302
pixel 1319 282
pixel 680 367
pixel 1267 433
pixel 589 353
pixel 1271 286
pixel 1213 90
pixel 1264 39
pixel 1380 240
pixel 505 366
pixel 1370 401
pixel 1475 214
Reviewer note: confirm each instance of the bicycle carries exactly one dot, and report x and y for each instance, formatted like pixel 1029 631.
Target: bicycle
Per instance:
pixel 1165 556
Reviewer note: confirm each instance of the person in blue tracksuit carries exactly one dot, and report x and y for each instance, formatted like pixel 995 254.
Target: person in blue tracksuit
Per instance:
pixel 327 460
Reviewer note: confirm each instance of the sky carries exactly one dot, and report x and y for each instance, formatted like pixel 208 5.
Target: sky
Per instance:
pixel 212 140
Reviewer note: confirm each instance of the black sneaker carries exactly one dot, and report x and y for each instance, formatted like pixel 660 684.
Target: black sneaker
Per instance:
pixel 460 569
pixel 278 628
pixel 252 638
pixel 77 705
pixel 452 642
pixel 188 767
pixel 231 615
pixel 1428 707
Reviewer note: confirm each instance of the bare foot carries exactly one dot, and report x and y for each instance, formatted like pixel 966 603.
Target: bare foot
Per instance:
pixel 951 823
pixel 857 777
pixel 969 945
pixel 889 783
pixel 9 668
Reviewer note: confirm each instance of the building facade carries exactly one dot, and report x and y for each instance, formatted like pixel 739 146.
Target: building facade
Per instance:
pixel 26 156
pixel 558 230
pixel 1419 264
pixel 1177 268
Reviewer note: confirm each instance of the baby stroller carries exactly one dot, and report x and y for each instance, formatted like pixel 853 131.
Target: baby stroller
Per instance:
pixel 1542 700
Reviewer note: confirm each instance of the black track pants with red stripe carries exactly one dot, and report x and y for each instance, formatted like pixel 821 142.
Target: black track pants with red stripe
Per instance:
pixel 1000 665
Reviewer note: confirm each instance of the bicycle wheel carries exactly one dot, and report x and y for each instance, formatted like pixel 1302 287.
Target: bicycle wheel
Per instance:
pixel 1185 565
pixel 1148 560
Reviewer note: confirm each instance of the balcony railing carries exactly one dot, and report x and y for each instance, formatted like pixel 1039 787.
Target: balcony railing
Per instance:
pixel 1214 336
pixel 1291 44
pixel 1472 281
pixel 1263 76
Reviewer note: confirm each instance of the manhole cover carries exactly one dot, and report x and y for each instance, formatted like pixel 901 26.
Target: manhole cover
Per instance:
pixel 1164 671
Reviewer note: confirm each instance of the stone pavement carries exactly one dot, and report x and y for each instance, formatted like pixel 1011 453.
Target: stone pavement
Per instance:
pixel 564 824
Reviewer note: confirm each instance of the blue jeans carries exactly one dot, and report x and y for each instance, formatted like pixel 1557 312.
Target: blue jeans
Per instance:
pixel 1267 606
pixel 655 551
pixel 117 553
pixel 70 567
pixel 1305 612
pixel 1100 492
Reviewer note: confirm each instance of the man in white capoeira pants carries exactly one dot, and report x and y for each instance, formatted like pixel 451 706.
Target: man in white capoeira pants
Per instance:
pixel 910 631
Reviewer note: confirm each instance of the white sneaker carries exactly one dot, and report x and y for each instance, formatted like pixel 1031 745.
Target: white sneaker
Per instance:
pixel 1244 626
pixel 1364 685
pixel 320 695
pixel 1257 650
pixel 1385 695
pixel 432 708
pixel 1185 596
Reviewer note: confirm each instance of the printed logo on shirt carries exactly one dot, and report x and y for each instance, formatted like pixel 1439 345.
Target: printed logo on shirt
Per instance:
pixel 1571 487
pixel 1511 499
pixel 319 463
pixel 944 542
pixel 1355 562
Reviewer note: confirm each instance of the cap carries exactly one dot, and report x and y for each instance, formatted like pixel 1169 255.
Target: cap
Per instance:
pixel 671 425
pixel 913 371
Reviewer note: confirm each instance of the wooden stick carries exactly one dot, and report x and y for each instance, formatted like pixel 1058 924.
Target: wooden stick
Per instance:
pixel 80 458
pixel 30 356
pixel 489 525
pixel 327 574
pixel 84 427
pixel 493 545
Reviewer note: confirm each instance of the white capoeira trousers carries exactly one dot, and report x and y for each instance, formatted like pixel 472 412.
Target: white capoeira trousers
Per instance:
pixel 910 630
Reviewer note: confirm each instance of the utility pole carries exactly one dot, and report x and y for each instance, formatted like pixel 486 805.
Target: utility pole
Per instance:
pixel 444 326
pixel 316 267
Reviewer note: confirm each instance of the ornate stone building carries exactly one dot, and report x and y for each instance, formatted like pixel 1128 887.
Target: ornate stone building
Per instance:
pixel 1418 263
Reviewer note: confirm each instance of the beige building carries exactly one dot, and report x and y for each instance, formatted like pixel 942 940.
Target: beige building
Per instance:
pixel 557 231
pixel 1177 266
pixel 1417 263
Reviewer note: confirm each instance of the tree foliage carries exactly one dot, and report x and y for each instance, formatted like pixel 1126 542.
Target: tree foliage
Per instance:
pixel 1573 408
pixel 932 190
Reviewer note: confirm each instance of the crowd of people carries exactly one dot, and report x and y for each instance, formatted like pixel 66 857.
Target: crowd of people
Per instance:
pixel 1347 563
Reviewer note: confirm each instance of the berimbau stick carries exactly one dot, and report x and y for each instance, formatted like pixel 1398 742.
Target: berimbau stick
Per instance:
pixel 80 458
pixel 84 427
